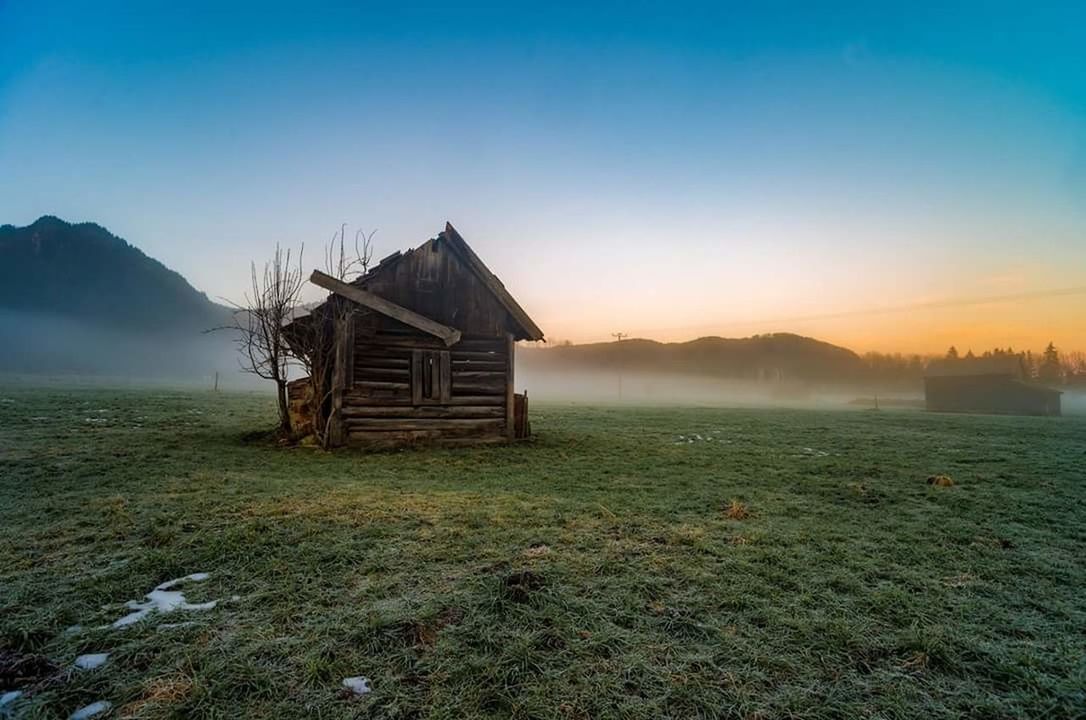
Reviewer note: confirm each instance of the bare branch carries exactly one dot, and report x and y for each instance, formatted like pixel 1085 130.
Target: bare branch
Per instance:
pixel 312 339
pixel 258 322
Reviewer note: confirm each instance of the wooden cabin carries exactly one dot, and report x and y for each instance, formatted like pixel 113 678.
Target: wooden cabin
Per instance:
pixel 428 353
pixel 994 385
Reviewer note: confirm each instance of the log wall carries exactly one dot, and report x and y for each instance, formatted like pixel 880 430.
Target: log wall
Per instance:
pixel 382 406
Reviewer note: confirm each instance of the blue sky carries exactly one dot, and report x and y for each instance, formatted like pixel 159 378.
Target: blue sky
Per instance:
pixel 667 170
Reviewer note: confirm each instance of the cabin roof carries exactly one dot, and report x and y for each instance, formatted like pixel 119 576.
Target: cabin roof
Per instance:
pixel 1003 365
pixel 993 382
pixel 527 329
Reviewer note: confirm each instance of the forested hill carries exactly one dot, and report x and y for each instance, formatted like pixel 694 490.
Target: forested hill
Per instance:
pixel 783 356
pixel 85 273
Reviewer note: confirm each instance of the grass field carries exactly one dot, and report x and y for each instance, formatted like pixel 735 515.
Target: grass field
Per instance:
pixel 602 570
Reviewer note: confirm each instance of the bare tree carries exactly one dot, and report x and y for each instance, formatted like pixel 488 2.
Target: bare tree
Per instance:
pixel 313 340
pixel 258 324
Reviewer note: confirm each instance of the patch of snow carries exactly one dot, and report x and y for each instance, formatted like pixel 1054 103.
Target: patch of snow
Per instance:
pixel 194 577
pixel 73 630
pixel 10 697
pixel 91 661
pixel 96 421
pixel 697 437
pixel 89 711
pixel 7 401
pixel 357 685
pixel 40 418
pixel 164 600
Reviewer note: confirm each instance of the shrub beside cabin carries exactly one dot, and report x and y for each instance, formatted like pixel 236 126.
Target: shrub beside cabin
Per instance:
pixel 995 385
pixel 427 353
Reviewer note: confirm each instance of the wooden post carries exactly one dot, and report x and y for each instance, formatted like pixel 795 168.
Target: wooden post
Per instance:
pixel 510 404
pixel 344 345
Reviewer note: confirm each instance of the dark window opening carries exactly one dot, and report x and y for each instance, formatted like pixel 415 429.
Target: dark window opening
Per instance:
pixel 431 377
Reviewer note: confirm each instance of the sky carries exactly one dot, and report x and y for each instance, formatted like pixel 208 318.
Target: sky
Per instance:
pixel 890 178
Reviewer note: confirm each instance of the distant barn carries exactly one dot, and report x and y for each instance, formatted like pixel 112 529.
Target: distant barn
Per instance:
pixel 995 385
pixel 429 354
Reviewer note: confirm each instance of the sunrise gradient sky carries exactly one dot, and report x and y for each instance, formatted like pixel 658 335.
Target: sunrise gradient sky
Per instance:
pixel 667 171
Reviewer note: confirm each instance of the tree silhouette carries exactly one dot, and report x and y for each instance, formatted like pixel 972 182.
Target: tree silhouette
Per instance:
pixel 1049 369
pixel 258 323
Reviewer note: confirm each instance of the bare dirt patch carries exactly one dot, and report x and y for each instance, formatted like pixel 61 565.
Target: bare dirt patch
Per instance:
pixel 520 586
pixel 19 671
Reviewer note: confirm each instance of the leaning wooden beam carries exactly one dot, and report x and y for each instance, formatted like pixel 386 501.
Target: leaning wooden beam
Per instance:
pixel 448 335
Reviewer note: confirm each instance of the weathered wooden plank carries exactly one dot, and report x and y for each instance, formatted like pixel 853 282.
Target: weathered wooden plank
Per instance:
pixel 393 347
pixel 401 399
pixel 448 335
pixel 367 400
pixel 445 377
pixel 382 364
pixel 522 428
pixel 482 365
pixel 475 400
pixel 348 354
pixel 381 374
pixel 464 336
pixel 510 404
pixel 380 385
pixel 402 349
pixel 479 387
pixel 481 375
pixel 479 424
pixel 471 355
pixel 497 344
pixel 341 371
pixel 424 411
pixel 368 360
pixel 466 342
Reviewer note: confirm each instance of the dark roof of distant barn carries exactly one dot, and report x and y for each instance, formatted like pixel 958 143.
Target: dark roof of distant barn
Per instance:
pixel 1009 365
pixel 527 329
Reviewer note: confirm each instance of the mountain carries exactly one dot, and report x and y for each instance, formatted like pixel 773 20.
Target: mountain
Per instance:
pixel 777 356
pixel 84 272
pixel 74 298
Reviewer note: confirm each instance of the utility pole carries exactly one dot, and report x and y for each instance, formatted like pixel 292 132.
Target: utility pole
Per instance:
pixel 619 336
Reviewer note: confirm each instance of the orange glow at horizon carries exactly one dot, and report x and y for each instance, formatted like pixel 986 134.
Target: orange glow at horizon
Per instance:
pixel 1023 325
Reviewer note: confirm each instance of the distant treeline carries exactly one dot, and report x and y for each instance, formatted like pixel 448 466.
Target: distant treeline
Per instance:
pixel 1050 367
pixel 782 359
